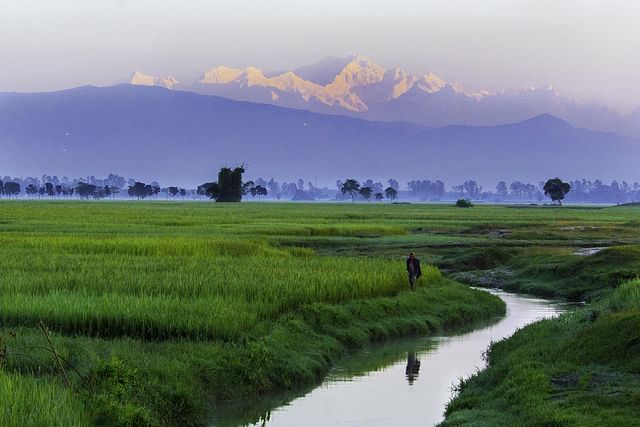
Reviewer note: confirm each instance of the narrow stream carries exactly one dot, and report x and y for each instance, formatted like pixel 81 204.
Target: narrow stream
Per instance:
pixel 399 383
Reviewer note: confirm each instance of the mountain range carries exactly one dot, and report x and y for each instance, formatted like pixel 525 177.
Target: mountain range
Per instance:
pixel 181 138
pixel 357 87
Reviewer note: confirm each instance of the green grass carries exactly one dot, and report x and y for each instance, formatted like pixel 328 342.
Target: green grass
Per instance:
pixel 30 402
pixel 557 273
pixel 165 307
pixel 161 288
pixel 162 306
pixel 551 272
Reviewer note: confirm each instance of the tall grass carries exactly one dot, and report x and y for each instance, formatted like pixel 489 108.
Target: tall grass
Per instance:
pixel 161 288
pixel 32 402
pixel 627 295
pixel 200 270
pixel 211 283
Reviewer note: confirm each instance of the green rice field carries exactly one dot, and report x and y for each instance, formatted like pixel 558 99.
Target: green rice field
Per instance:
pixel 157 302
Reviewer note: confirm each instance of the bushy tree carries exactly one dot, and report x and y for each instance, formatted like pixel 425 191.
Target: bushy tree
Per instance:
pixel 350 186
pixel 85 191
pixel 230 184
pixel 208 189
pixel 556 189
pixel 365 192
pixel 247 188
pixel 258 190
pixel 31 190
pixel 173 191
pixel 140 190
pixel 228 188
pixel 11 188
pixel 391 193
pixel 49 189
pixel 379 196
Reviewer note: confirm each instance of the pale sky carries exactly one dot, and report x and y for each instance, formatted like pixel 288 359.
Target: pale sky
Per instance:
pixel 588 49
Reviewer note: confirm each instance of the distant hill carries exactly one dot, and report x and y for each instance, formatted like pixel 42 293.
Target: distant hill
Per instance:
pixel 182 138
pixel 358 87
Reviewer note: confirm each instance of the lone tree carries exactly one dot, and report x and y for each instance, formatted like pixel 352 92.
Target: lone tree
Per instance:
pixel 556 189
pixel 229 187
pixel 230 184
pixel 391 193
pixel 366 192
pixel 352 187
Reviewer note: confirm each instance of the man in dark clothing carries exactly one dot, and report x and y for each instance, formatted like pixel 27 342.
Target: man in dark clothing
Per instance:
pixel 413 268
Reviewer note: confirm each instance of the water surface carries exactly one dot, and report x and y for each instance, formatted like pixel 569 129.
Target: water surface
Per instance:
pixel 399 383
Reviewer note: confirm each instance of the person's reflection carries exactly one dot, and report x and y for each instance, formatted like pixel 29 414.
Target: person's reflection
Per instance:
pixel 265 419
pixel 413 367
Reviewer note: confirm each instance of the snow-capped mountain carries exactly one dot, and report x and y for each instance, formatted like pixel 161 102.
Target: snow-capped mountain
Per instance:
pixel 140 79
pixel 175 136
pixel 356 86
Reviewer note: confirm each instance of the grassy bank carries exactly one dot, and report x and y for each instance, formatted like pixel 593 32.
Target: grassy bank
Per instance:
pixel 555 272
pixel 157 309
pixel 581 369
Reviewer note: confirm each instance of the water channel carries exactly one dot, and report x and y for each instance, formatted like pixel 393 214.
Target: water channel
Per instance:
pixel 398 383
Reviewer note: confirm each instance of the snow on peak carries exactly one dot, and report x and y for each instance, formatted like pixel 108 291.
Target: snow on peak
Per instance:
pixel 359 72
pixel 254 76
pixel 402 82
pixel 357 81
pixel 431 83
pixel 220 75
pixel 141 79
pixel 168 82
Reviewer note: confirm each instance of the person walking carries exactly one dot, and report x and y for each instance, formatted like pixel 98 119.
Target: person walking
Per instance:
pixel 413 268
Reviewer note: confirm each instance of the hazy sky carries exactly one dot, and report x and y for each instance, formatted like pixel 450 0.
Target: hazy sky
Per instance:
pixel 587 49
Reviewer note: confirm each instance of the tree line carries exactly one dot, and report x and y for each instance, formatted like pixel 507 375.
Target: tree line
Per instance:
pixel 348 189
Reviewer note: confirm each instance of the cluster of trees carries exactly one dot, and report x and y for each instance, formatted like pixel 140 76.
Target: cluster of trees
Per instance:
pixel 84 188
pixel 140 190
pixel 355 190
pixel 9 188
pixel 585 191
pixel 426 190
pixel 230 187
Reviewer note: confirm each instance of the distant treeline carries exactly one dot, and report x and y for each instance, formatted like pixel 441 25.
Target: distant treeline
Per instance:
pixel 118 187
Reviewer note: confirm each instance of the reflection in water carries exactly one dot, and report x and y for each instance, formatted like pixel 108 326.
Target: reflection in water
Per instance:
pixel 413 367
pixel 378 386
